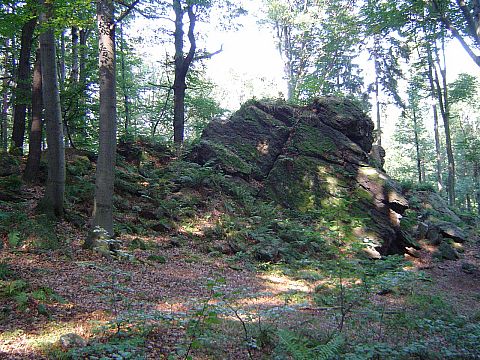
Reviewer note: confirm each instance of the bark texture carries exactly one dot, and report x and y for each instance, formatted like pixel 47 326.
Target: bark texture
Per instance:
pixel 23 89
pixel 182 65
pixel 35 139
pixel 5 83
pixel 54 193
pixel 103 206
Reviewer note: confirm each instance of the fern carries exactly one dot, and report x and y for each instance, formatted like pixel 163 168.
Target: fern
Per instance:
pixel 298 348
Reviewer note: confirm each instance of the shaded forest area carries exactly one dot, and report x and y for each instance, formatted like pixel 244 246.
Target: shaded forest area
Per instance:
pixel 140 220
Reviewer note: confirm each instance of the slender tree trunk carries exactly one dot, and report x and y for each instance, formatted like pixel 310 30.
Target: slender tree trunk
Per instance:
pixel 438 153
pixel 182 65
pixel 35 140
pixel 377 104
pixel 83 79
pixel 417 147
pixel 103 206
pixel 126 100
pixel 446 126
pixel 74 74
pixel 476 177
pixel 433 94
pixel 61 65
pixel 54 192
pixel 442 96
pixel 5 83
pixel 22 92
pixel 63 76
pixel 71 103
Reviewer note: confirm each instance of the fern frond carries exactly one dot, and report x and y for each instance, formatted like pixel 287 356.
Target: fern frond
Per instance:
pixel 298 347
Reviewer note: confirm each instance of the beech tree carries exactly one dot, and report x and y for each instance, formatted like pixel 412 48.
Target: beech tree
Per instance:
pixel 105 172
pixel 5 96
pixel 54 192
pixel 23 85
pixel 195 10
pixel 104 178
pixel 35 138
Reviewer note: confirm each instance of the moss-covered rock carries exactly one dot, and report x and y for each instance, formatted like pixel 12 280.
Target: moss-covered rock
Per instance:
pixel 311 159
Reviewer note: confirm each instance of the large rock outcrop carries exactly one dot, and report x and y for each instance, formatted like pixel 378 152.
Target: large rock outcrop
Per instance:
pixel 311 159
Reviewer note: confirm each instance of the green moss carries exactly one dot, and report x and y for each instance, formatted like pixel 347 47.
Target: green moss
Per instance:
pixel 79 166
pixel 247 151
pixel 297 183
pixel 309 140
pixel 231 161
pixel 362 194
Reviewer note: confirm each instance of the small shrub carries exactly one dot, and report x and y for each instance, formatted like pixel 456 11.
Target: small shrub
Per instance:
pixel 157 258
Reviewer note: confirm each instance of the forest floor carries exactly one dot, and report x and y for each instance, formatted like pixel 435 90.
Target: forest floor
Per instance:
pixel 172 294
pixel 175 289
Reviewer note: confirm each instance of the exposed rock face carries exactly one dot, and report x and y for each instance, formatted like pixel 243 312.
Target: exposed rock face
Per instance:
pixel 377 156
pixel 439 225
pixel 312 158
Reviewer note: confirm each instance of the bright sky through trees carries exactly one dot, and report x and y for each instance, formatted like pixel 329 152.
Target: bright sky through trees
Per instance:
pixel 250 65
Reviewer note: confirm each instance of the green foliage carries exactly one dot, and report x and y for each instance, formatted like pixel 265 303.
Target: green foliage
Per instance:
pixel 463 88
pixel 300 348
pixel 316 43
pixel 115 348
pixel 22 294
pixel 38 230
pixel 11 184
pixel 157 258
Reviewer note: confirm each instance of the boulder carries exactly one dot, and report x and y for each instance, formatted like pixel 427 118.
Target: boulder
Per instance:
pixel 311 159
pixel 436 207
pixel 377 156
pixel 446 251
pixel 451 231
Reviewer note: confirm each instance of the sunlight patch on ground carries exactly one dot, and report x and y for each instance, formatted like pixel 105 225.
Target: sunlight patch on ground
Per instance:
pixel 277 283
pixel 19 341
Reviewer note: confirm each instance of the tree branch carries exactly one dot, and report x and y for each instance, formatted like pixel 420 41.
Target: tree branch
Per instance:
pixel 446 22
pixel 191 38
pixel 127 11
pixel 468 18
pixel 208 55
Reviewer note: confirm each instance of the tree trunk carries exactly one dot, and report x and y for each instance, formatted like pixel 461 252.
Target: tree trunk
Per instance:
pixel 476 177
pixel 83 78
pixel 35 139
pixel 182 65
pixel 5 83
pixel 438 153
pixel 103 206
pixel 441 91
pixel 75 54
pixel 179 112
pixel 417 147
pixel 54 192
pixel 446 126
pixel 126 100
pixel 22 92
pixel 377 104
